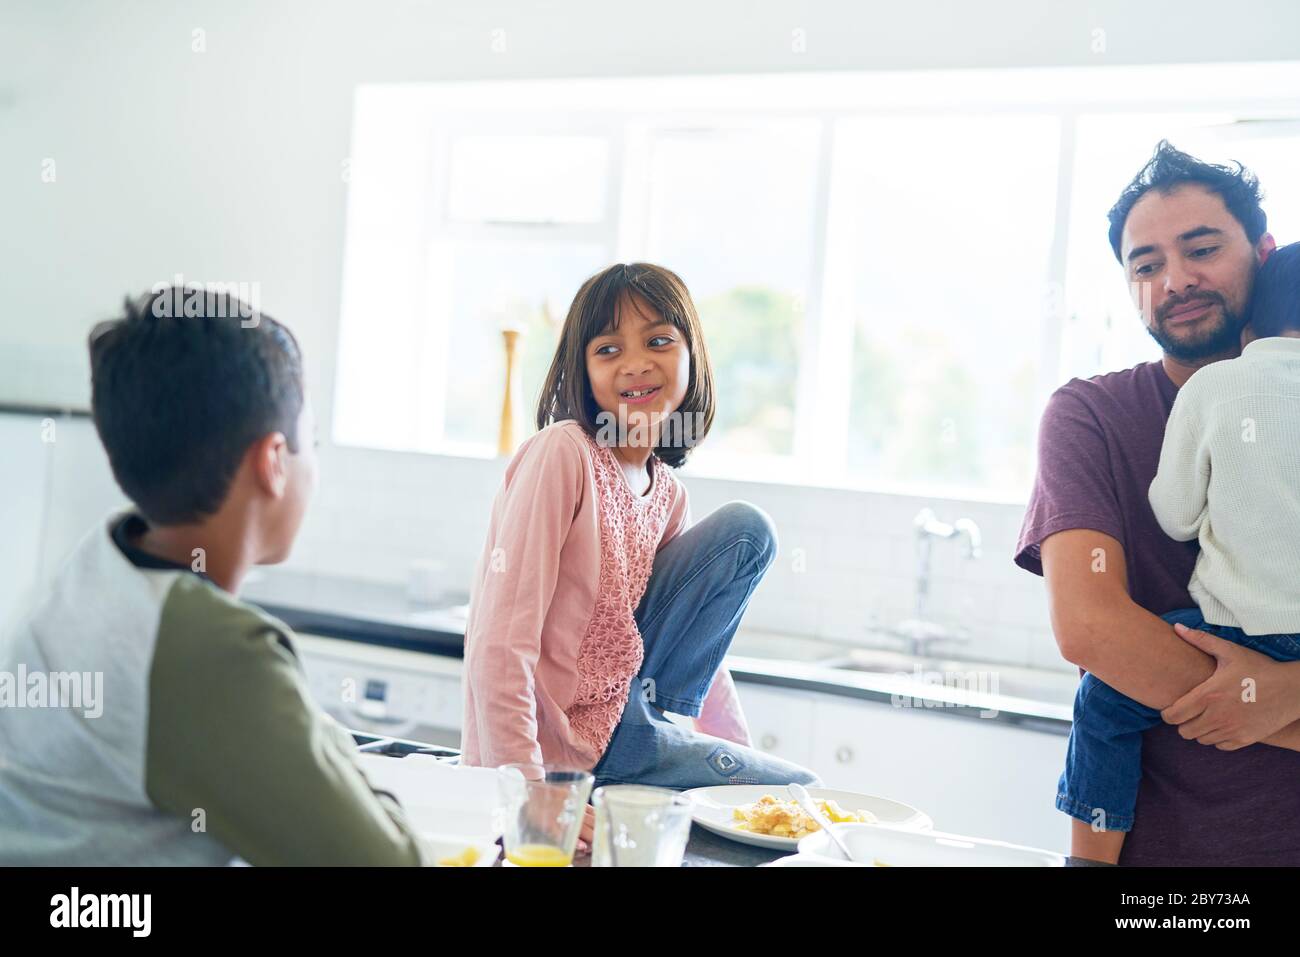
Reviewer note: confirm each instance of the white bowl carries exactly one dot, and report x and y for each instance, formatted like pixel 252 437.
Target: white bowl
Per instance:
pixel 892 846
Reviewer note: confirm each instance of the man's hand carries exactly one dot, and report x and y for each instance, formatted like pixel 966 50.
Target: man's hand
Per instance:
pixel 1248 698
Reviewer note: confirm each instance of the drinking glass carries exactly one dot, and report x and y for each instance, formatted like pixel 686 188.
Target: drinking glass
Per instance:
pixel 638 826
pixel 544 807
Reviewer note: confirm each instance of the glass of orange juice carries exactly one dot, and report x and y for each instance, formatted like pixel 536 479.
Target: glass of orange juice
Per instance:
pixel 544 807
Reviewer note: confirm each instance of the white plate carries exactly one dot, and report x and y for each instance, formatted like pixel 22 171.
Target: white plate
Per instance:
pixel 713 808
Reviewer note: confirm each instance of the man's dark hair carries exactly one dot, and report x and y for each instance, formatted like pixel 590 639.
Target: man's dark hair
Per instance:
pixel 1275 301
pixel 1169 169
pixel 179 393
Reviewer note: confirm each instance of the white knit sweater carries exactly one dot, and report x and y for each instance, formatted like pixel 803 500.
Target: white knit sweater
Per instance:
pixel 1230 476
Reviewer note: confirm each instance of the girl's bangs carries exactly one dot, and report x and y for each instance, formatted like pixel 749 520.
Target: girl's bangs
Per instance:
pixel 602 317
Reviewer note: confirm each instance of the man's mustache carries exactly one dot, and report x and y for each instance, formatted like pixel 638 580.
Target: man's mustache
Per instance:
pixel 1169 305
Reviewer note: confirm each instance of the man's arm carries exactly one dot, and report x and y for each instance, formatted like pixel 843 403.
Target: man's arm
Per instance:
pixel 1288 737
pixel 1102 630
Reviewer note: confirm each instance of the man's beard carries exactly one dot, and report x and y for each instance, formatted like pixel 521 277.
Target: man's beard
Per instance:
pixel 1204 344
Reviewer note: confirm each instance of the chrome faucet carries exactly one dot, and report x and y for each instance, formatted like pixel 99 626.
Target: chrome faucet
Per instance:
pixel 919 632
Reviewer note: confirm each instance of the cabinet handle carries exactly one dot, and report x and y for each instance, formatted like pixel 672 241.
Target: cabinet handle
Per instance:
pixel 767 742
pixel 843 754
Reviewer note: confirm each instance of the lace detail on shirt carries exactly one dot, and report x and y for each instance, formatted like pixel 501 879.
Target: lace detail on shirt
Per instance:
pixel 611 651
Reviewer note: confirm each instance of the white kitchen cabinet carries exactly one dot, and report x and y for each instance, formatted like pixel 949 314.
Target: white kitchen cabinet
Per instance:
pixel 780 720
pixel 980 777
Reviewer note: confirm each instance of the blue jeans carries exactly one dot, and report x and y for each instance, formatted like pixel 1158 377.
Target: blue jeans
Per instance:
pixel 1103 763
pixel 697 593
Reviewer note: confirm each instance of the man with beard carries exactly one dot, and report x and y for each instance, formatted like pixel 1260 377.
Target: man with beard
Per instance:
pixel 1190 236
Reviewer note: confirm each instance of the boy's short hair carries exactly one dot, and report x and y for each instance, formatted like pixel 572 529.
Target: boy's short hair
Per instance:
pixel 1275 301
pixel 178 399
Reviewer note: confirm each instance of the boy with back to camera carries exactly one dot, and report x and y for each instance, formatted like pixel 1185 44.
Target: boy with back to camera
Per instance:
pixel 208 746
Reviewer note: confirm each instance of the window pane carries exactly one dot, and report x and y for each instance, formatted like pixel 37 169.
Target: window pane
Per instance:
pixel 731 211
pixel 1103 331
pixel 950 222
pixel 476 290
pixel 528 179
pixel 1271 150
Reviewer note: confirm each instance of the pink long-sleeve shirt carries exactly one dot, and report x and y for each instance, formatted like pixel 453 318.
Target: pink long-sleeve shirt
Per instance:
pixel 551 644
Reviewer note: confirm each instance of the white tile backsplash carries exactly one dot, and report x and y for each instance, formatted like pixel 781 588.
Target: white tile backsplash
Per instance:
pixel 377 512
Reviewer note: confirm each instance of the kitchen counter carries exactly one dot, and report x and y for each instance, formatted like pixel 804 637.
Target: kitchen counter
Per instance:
pixel 703 849
pixel 382 614
pixel 706 849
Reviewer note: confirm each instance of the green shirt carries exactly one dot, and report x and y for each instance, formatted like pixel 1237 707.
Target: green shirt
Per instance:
pixel 207 746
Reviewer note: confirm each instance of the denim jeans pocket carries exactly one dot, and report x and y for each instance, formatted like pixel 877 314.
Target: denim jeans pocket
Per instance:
pixel 1277 647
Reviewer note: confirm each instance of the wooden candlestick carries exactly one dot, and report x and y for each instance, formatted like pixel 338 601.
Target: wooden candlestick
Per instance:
pixel 506 438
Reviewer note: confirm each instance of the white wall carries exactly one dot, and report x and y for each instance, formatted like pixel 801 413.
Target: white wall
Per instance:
pixel 378 511
pixel 225 165
pixel 55 484
pixel 22 509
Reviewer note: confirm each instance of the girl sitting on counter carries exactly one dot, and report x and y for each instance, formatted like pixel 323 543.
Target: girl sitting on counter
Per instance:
pixel 597 605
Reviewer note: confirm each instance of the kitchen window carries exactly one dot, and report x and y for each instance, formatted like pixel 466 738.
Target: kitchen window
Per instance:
pixel 732 207
pixel 893 272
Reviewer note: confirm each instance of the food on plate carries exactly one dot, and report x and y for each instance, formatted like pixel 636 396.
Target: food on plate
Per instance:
pixel 538 855
pixel 770 815
pixel 466 858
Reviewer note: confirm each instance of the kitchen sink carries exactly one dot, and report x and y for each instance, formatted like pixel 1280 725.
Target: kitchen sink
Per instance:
pixel 759 644
pixel 1055 687
pixel 994 677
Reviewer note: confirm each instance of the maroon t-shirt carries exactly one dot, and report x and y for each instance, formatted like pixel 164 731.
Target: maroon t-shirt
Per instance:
pixel 1098 450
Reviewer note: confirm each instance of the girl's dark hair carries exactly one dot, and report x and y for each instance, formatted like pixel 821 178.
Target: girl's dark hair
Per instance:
pixel 566 393
pixel 1169 168
pixel 1275 299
